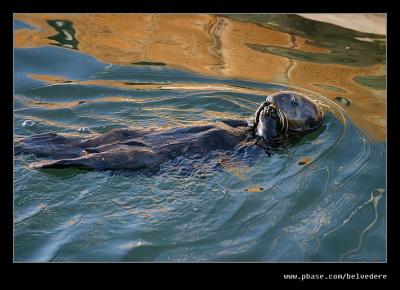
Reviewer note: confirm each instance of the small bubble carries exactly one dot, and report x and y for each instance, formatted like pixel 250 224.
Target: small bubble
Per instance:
pixel 254 189
pixel 131 245
pixel 28 123
pixel 304 161
pixel 72 222
pixel 42 206
pixel 343 100
pixel 83 130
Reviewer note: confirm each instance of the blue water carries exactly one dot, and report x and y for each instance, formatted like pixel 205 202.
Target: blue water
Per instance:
pixel 331 209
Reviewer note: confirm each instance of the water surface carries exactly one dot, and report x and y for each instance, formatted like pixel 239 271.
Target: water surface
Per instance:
pixel 322 198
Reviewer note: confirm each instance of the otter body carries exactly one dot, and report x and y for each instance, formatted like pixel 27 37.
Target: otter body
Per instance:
pixel 129 149
pixel 279 115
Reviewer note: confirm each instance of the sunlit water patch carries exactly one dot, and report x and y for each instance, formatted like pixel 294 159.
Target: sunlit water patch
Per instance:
pixel 321 198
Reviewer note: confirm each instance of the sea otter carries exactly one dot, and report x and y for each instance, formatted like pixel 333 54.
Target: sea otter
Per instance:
pixel 282 114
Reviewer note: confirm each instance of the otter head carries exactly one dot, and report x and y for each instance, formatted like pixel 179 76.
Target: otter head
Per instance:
pixel 286 112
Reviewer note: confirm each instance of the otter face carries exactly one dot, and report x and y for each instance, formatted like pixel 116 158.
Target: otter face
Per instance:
pixel 299 111
pixel 286 111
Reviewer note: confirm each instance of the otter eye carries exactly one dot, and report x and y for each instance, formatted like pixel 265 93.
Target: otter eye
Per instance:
pixel 293 100
pixel 310 123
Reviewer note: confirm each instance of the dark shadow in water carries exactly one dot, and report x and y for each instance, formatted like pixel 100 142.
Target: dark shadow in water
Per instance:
pixel 144 83
pixel 301 138
pixel 149 63
pixel 344 47
pixel 64 173
pixel 373 82
pixel 339 56
pixel 66 33
pixel 331 88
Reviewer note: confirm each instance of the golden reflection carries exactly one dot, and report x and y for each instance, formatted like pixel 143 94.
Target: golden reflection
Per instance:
pixel 150 86
pixel 210 45
pixel 254 189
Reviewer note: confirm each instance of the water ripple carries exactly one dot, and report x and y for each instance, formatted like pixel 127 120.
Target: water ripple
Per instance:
pixel 192 209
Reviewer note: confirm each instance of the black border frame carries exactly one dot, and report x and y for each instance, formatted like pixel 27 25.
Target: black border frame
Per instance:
pixel 266 271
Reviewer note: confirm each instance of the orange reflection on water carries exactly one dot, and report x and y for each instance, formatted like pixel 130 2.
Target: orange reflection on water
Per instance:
pixel 212 45
pixel 52 80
